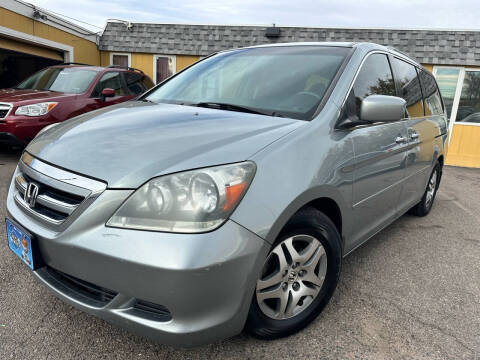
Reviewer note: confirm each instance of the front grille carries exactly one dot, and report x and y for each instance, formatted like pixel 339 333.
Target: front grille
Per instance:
pixel 80 290
pixel 4 110
pixel 59 195
pixel 52 204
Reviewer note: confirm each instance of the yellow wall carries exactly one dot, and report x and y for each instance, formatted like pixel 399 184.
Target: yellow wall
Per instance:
pixel 185 60
pixel 464 148
pixel 429 67
pixel 144 61
pixel 84 51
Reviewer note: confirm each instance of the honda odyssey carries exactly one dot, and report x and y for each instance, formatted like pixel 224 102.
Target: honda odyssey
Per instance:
pixel 227 196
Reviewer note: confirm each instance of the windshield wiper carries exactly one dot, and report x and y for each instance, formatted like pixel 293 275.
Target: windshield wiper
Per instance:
pixel 230 107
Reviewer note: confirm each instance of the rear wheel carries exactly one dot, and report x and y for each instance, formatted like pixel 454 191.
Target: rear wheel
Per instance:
pixel 298 277
pixel 425 205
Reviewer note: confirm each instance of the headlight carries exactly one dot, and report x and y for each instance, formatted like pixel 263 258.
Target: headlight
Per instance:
pixel 187 202
pixel 35 109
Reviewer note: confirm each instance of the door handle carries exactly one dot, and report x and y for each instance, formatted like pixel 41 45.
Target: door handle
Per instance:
pixel 414 136
pixel 400 140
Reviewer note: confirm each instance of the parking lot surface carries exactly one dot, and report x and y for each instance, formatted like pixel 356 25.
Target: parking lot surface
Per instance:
pixel 411 292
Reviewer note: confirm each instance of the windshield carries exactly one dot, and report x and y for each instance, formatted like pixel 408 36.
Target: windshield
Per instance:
pixel 285 81
pixel 67 80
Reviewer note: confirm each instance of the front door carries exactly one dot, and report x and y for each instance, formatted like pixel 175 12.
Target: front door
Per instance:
pixel 112 80
pixel 164 68
pixel 380 154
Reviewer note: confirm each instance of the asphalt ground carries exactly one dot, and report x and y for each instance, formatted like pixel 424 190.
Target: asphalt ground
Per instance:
pixel 411 292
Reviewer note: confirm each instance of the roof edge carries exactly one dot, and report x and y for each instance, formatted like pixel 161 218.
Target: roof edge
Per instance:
pixel 26 9
pixel 374 28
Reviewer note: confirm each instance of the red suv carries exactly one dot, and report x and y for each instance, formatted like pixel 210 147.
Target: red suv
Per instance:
pixel 60 92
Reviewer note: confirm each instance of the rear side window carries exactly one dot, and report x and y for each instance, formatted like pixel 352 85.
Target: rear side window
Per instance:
pixel 110 80
pixel 431 95
pixel 410 89
pixel 136 83
pixel 375 78
pixel 147 82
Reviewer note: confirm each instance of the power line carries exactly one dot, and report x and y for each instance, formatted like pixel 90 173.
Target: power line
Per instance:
pixel 71 18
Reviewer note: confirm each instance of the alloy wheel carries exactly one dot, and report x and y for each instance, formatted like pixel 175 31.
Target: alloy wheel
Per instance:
pixel 292 277
pixel 432 185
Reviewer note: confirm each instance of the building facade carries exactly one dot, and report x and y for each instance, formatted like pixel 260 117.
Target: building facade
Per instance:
pixel 160 50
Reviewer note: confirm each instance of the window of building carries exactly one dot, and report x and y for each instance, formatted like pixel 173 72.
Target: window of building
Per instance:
pixel 460 89
pixel 447 79
pixel 119 59
pixel 469 103
pixel 374 78
pixel 111 80
pixel 431 95
pixel 163 67
pixel 410 90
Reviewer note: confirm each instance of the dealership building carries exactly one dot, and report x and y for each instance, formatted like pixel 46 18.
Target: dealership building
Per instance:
pixel 32 38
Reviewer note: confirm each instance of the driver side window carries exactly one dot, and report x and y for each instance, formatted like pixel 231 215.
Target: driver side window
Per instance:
pixel 375 78
pixel 110 80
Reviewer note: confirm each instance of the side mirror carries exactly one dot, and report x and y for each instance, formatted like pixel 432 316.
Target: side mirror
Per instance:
pixel 382 108
pixel 106 93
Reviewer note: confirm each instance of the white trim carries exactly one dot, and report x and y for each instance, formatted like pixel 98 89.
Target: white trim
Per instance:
pixel 53 20
pixel 129 55
pixel 35 40
pixel 155 57
pixel 456 101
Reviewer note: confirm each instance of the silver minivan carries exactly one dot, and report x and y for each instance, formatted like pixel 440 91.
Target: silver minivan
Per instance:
pixel 226 197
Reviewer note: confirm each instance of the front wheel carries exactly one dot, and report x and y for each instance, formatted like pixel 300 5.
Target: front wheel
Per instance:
pixel 298 277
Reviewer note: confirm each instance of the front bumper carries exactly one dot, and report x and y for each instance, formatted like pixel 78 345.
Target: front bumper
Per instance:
pixel 20 130
pixel 206 281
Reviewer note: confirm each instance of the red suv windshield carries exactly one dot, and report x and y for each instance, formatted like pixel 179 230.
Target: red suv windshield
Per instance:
pixel 67 80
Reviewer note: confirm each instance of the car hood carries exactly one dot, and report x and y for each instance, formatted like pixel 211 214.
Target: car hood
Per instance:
pixel 28 96
pixel 130 143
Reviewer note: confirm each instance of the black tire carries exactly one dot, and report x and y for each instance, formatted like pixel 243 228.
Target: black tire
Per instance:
pixel 307 221
pixel 424 206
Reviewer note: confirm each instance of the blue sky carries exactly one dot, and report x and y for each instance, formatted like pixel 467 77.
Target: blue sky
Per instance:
pixel 460 14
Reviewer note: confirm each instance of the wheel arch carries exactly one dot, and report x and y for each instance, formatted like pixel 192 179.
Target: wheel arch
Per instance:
pixel 328 200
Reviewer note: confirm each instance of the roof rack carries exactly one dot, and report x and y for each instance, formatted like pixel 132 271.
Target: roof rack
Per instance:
pixel 125 67
pixel 75 63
